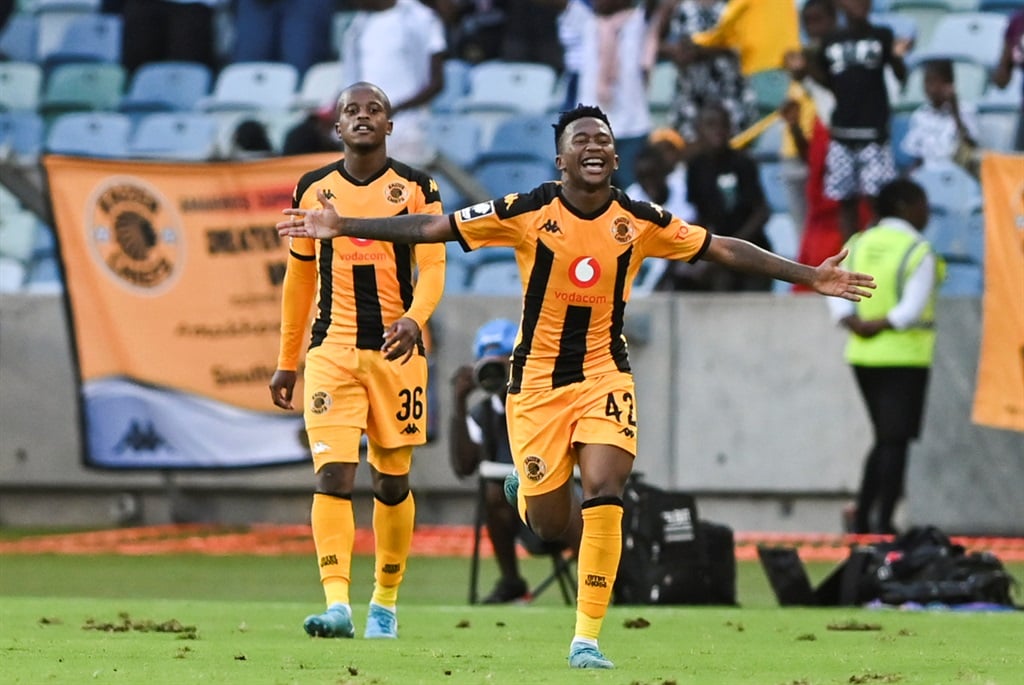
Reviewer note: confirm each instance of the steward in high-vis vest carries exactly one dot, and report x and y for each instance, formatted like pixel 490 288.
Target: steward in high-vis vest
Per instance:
pixel 892 342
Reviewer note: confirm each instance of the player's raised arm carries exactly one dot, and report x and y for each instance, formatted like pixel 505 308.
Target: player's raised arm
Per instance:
pixel 324 222
pixel 827 278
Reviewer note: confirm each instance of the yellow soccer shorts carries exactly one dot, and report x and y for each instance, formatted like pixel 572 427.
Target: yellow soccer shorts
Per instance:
pixel 544 427
pixel 349 391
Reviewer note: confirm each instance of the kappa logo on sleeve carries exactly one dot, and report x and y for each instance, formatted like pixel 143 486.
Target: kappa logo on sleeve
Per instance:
pixel 477 211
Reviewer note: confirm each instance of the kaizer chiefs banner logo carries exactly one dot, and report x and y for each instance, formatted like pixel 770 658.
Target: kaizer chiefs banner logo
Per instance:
pixel 136 234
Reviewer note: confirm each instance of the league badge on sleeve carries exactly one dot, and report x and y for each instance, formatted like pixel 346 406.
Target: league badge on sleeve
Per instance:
pixel 477 211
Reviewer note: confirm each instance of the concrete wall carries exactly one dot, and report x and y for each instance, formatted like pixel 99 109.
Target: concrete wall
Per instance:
pixel 744 400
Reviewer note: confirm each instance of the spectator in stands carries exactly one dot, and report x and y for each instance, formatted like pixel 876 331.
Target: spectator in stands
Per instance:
pixel 168 30
pixel 1012 57
pixel 851 63
pixel 365 370
pixel 661 177
pixel 761 32
pixel 480 435
pixel 400 46
pixel 942 129
pixel 315 133
pixel 612 74
pixel 725 187
pixel 250 140
pixel 708 77
pixel 891 343
pixel 531 32
pixel 475 28
pixel 294 31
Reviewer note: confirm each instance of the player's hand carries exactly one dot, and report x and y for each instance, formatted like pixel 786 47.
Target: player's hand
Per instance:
pixel 282 386
pixel 829 279
pixel 400 340
pixel 319 223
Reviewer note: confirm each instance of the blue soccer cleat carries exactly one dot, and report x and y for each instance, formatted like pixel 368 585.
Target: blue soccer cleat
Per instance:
pixel 583 655
pixel 381 623
pixel 335 622
pixel 511 487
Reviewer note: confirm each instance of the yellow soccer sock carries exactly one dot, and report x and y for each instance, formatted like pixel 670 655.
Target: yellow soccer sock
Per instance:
pixel 334 532
pixel 392 532
pixel 598 562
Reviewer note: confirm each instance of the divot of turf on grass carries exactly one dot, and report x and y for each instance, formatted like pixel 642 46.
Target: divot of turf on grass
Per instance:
pixel 876 678
pixel 854 625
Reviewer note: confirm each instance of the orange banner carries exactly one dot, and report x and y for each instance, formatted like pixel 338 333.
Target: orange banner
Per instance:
pixel 173 275
pixel 999 395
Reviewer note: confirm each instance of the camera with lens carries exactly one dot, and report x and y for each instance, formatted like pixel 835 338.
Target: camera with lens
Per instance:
pixel 491 374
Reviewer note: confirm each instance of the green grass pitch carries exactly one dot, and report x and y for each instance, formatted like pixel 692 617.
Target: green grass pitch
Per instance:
pixel 202 619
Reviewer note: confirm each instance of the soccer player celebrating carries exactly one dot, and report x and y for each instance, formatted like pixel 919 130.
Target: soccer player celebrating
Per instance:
pixel 579 244
pixel 365 294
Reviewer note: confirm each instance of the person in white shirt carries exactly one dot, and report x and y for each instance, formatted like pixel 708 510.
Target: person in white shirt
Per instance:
pixel 942 129
pixel 400 46
pixel 891 343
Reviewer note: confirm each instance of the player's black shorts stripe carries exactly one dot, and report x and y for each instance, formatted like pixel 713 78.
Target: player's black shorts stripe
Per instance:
pixel 323 318
pixel 533 301
pixel 369 322
pixel 572 347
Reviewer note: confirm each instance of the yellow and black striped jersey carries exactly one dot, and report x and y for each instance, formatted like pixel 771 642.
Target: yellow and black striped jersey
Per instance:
pixel 577 271
pixel 362 286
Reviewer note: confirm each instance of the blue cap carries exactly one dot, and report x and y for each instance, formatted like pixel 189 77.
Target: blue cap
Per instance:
pixel 496 338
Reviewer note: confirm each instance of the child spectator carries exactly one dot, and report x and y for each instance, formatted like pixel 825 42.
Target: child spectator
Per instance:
pixel 942 129
pixel 851 63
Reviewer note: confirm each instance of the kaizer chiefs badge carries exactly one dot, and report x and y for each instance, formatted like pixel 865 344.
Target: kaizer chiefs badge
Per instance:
pixel 396 193
pixel 321 402
pixel 136 234
pixel 535 468
pixel 623 230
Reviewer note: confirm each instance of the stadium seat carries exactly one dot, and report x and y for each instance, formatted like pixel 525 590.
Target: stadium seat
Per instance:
pixel 949 187
pixel 510 87
pixel 501 177
pixel 496 278
pixel 997 128
pixel 19 37
pixel 89 38
pixel 17 235
pixel 456 86
pixel 1006 98
pixel 339 24
pixel 320 86
pixel 166 86
pixel 175 135
pixel 20 85
pixel 661 91
pixel 954 236
pixel 766 146
pixel 647 277
pixel 769 88
pixel 925 14
pixel 523 136
pixel 90 134
pixel 902 26
pixel 783 236
pixel 457 136
pixel 975 36
pixel 44 277
pixel 773 185
pixel 21 135
pixel 899 124
pixel 12 275
pixel 963 280
pixel 83 86
pixel 253 85
pixel 53 20
pixel 1006 7
pixel 457 267
pixel 46 242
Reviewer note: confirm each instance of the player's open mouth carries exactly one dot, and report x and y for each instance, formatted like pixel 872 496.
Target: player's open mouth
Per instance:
pixel 362 128
pixel 593 163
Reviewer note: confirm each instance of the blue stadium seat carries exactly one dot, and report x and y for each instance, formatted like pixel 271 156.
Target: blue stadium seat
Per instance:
pixel 12 275
pixel 773 185
pixel 456 86
pixel 21 133
pixel 766 146
pixel 20 85
pixel 523 136
pixel 44 276
pixel 952 236
pixel 661 90
pixel 975 36
pixel 17 235
pixel 167 86
pixel 510 87
pixel 451 197
pixel 1006 7
pixel 997 128
pixel 90 134
pixel 963 280
pixel 252 85
pixel 320 85
pixel 89 38
pixel 925 14
pixel 19 37
pixel 899 124
pixel 769 88
pixel 501 177
pixel 949 187
pixel 83 86
pixel 457 136
pixel 496 278
pixel 175 135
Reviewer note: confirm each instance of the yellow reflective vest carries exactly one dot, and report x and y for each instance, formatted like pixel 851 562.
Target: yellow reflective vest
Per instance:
pixel 891 256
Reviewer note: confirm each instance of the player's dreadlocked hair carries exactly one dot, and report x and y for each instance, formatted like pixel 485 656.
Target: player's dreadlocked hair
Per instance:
pixel 580 112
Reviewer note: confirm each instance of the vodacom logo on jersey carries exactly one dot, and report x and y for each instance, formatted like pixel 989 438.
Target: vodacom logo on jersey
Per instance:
pixel 584 271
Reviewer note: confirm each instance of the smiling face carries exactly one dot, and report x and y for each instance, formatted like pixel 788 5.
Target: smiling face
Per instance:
pixel 364 118
pixel 586 153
